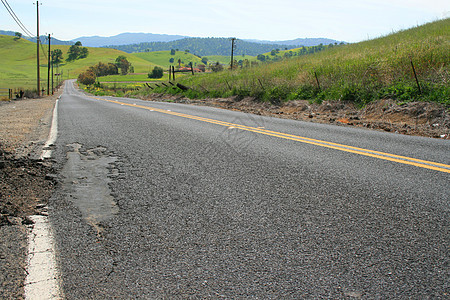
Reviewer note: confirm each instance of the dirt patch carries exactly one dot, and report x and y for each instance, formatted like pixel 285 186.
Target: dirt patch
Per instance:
pixel 25 187
pixel 25 181
pixel 413 118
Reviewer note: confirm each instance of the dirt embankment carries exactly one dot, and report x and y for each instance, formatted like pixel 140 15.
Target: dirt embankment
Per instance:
pixel 412 118
pixel 26 184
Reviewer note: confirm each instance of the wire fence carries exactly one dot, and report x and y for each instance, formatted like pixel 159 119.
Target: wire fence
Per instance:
pixel 5 94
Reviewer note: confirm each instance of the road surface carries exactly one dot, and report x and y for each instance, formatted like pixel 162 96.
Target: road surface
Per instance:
pixel 162 200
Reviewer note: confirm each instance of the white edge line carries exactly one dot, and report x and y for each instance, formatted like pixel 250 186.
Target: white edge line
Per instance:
pixel 42 281
pixel 46 152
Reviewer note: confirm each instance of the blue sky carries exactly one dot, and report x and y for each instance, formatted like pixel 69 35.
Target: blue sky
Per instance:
pixel 345 20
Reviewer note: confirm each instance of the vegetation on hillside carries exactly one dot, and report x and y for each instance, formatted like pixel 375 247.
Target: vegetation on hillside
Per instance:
pixel 166 58
pixel 380 68
pixel 204 47
pixel 18 62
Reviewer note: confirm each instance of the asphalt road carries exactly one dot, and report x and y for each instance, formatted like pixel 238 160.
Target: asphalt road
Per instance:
pixel 162 200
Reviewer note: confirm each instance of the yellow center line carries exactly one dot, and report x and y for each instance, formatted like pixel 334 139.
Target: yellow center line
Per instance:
pixel 361 151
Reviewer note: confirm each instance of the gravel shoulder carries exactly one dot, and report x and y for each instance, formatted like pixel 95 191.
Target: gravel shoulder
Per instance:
pixel 25 185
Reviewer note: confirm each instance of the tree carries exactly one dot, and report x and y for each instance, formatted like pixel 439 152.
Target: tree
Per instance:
pixel 57 56
pixel 87 78
pixel 83 53
pixel 73 53
pixel 112 69
pixel 171 60
pixel 261 57
pixel 18 36
pixel 123 64
pixel 156 73
pixel 77 52
pixel 205 60
pixel 102 69
pixel 172 52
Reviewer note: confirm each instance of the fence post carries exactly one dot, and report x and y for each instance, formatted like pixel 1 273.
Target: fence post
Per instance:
pixel 228 84
pixel 10 93
pixel 317 80
pixel 260 83
pixel 173 73
pixel 415 75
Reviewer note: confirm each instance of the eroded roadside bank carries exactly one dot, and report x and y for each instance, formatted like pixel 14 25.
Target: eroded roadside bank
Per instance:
pixel 26 183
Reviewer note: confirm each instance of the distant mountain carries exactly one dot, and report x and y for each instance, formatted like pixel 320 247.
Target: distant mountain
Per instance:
pixel 43 38
pixel 126 39
pixel 307 42
pixel 204 46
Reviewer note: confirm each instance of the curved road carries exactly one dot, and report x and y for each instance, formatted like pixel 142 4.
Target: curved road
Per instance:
pixel 162 200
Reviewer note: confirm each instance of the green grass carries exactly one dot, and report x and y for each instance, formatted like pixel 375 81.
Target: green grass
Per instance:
pixel 362 72
pixel 227 59
pixel 18 63
pixel 161 58
pixel 129 77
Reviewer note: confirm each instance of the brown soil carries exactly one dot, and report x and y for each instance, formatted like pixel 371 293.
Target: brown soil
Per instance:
pixel 25 184
pixel 413 118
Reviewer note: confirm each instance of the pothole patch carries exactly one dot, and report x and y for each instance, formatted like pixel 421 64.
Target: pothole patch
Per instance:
pixel 87 175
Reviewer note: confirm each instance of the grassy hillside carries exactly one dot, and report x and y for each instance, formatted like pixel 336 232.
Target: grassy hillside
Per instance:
pixel 226 59
pixel 18 62
pixel 162 58
pixel 361 72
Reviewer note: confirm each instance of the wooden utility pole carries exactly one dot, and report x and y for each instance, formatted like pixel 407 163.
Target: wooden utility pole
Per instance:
pixel 49 62
pixel 53 89
pixel 232 51
pixel 37 44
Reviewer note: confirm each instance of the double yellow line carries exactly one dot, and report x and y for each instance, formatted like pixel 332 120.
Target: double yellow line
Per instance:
pixel 361 151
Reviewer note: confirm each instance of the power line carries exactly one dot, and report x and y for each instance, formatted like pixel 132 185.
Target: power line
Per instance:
pixel 16 19
pixel 42 47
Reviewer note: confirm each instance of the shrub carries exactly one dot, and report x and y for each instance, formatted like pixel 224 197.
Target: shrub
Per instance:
pixel 217 67
pixel 87 78
pixel 156 73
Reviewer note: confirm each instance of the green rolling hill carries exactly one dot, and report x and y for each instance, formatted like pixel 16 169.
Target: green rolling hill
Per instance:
pixel 162 58
pixel 18 62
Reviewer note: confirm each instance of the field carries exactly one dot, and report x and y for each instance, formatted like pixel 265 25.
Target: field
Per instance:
pixel 128 78
pixel 162 58
pixel 225 60
pixel 18 62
